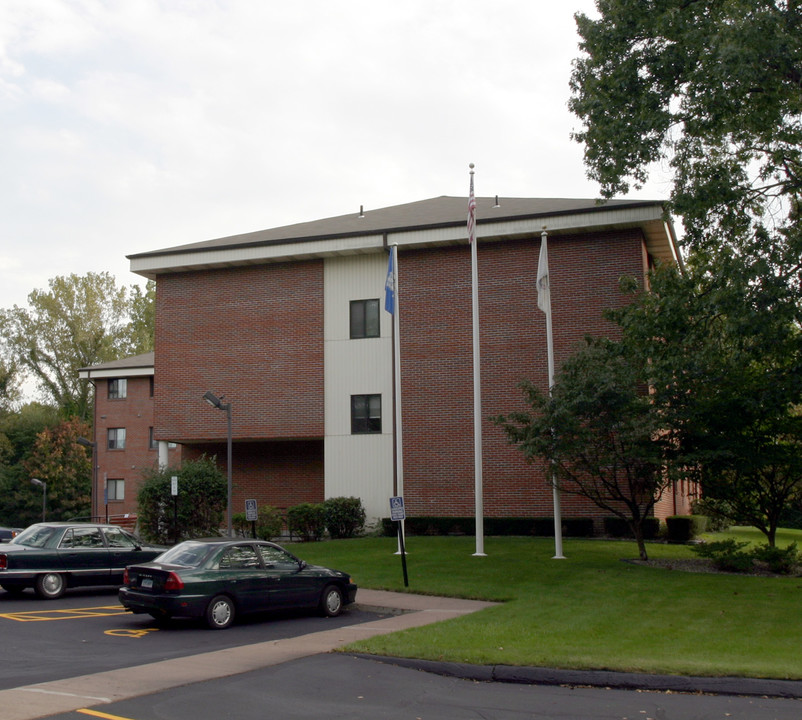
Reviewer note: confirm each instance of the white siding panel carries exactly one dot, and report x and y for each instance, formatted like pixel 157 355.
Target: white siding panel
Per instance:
pixel 356 465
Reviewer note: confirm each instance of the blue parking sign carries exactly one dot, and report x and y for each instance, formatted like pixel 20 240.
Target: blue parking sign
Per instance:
pixel 397 512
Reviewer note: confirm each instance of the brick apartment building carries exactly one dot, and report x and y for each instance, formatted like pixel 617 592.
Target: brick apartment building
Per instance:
pixel 288 326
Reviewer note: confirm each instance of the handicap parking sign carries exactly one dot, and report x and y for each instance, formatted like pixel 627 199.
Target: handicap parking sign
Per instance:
pixel 397 512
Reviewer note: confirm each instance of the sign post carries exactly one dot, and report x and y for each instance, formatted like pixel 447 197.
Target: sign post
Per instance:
pixel 398 514
pixel 251 515
pixel 174 493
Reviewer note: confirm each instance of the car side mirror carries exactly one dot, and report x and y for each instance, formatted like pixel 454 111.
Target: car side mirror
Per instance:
pixel 301 564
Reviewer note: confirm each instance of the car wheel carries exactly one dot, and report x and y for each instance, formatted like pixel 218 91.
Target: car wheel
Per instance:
pixel 331 601
pixel 220 612
pixel 49 586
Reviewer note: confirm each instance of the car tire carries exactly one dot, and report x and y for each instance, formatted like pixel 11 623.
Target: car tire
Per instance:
pixel 220 612
pixel 331 601
pixel 50 586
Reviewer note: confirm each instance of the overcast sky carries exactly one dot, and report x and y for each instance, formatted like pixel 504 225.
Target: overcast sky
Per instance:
pixel 132 125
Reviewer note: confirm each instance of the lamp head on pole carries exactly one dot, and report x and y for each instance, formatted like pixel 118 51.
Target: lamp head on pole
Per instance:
pixel 212 399
pixel 37 481
pixel 86 443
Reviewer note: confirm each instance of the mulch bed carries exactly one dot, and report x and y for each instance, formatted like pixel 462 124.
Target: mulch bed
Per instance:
pixel 706 565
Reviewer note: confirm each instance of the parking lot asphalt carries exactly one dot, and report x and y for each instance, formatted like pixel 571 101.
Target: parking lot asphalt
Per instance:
pixel 403 611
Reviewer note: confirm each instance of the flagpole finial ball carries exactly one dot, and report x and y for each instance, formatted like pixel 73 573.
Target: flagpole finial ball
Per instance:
pixel 471 166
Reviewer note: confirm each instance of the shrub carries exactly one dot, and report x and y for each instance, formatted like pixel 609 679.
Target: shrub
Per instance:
pixel 683 528
pixel 619 528
pixel 198 507
pixel 718 513
pixel 344 517
pixel 727 555
pixel 269 524
pixel 783 561
pixel 307 521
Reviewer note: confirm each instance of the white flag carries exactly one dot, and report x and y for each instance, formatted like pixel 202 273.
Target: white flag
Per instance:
pixel 543 291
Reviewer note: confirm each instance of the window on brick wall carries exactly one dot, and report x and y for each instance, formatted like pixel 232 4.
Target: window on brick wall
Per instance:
pixel 118 388
pixel 115 489
pixel 366 414
pixel 116 439
pixel 364 319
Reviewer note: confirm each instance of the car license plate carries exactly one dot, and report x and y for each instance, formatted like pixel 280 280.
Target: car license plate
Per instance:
pixel 147 582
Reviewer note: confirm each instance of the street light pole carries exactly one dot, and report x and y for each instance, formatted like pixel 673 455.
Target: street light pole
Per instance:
pixel 43 485
pixel 216 402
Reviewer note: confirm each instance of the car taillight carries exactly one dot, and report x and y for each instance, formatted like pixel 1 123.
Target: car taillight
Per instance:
pixel 3 562
pixel 173 582
pixel 125 576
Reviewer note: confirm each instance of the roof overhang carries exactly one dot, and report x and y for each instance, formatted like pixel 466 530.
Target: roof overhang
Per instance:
pixel 345 237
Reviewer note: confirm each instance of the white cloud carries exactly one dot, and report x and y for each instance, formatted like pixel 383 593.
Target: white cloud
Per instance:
pixel 130 126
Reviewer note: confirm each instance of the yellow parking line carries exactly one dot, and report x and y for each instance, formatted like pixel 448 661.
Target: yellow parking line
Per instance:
pixel 73 614
pixel 99 714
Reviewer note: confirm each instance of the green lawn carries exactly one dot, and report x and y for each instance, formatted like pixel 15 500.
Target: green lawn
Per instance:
pixel 591 610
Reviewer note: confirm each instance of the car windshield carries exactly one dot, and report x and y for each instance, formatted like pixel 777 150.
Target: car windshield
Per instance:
pixel 189 554
pixel 38 536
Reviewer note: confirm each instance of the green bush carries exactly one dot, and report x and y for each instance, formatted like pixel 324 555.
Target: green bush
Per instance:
pixel 198 507
pixel 727 555
pixel 493 526
pixel 269 524
pixel 344 517
pixel 617 527
pixel 684 528
pixel 307 521
pixel 717 512
pixel 783 561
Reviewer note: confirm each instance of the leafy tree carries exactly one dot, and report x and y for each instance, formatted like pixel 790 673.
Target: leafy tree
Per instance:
pixel 199 505
pixel 598 432
pixel 724 357
pixel 18 436
pixel 58 460
pixel 143 317
pixel 80 321
pixel 711 88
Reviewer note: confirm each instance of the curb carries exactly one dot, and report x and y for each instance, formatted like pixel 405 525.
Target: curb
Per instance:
pixel 599 678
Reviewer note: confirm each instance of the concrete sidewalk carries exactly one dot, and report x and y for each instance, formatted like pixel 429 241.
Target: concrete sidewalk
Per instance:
pixel 403 611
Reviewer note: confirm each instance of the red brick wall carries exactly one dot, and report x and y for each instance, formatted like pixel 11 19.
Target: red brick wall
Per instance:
pixel 280 474
pixel 437 369
pixel 251 334
pixel 135 414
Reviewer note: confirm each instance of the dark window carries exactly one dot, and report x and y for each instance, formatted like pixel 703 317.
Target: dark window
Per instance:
pixel 116 439
pixel 366 414
pixel 151 385
pixel 115 490
pixel 118 388
pixel 364 318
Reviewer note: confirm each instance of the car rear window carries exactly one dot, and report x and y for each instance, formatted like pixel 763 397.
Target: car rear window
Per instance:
pixel 188 554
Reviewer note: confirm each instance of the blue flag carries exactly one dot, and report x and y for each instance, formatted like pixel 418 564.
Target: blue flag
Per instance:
pixel 389 286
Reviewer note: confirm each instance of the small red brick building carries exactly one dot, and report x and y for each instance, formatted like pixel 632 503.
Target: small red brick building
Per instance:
pixel 287 325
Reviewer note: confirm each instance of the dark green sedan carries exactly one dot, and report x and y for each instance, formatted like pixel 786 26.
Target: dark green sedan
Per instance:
pixel 218 578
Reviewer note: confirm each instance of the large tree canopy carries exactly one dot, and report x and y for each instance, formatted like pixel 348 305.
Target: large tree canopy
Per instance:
pixel 80 321
pixel 712 88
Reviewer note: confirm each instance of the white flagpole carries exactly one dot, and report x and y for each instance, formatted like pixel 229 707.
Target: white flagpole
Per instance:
pixel 477 384
pixel 392 306
pixel 544 303
pixel 399 444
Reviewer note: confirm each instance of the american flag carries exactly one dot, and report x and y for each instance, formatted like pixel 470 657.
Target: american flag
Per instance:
pixel 471 214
